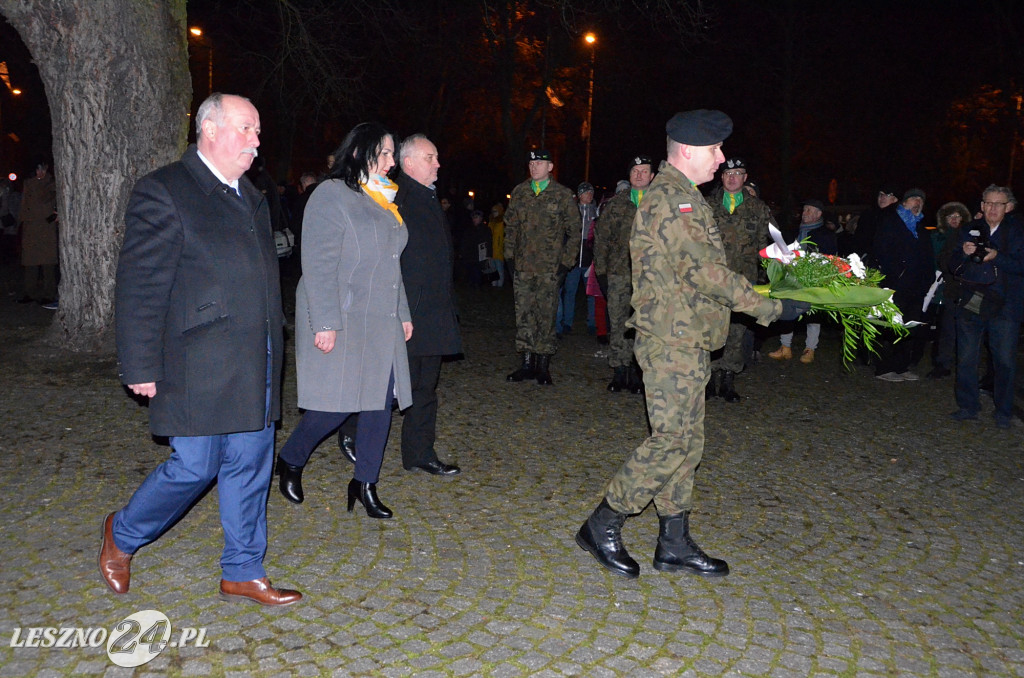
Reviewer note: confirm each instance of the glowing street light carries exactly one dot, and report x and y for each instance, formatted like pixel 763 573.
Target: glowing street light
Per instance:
pixel 591 40
pixel 197 32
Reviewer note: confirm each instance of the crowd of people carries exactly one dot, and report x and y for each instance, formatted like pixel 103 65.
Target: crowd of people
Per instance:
pixel 199 317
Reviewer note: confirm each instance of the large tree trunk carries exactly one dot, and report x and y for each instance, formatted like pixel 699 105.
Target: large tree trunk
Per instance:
pixel 116 76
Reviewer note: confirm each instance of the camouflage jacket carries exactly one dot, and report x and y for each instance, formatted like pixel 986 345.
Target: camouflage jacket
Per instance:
pixel 683 290
pixel 542 231
pixel 611 236
pixel 744 232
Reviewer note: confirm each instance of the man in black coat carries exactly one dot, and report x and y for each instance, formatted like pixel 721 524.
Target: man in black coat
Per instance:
pixel 427 264
pixel 903 250
pixel 199 333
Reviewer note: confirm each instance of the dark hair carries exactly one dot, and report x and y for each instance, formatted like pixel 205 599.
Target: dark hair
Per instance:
pixel 357 152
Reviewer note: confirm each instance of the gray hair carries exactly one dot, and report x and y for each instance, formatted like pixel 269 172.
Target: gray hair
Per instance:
pixel 212 108
pixel 405 148
pixel 1005 190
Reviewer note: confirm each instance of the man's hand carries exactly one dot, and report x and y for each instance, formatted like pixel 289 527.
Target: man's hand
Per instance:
pixel 147 390
pixel 324 340
pixel 407 328
pixel 791 310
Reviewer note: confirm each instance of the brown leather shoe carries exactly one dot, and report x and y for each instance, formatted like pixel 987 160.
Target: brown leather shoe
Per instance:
pixel 259 591
pixel 115 564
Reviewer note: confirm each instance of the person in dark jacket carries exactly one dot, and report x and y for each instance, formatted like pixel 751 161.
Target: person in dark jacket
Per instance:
pixel 950 218
pixel 867 224
pixel 903 252
pixel 989 264
pixel 199 334
pixel 427 264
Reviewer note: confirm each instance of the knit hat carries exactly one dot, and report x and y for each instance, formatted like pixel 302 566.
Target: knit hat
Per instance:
pixel 913 193
pixel 584 188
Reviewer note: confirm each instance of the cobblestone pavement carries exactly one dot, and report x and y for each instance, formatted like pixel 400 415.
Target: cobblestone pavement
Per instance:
pixel 868 535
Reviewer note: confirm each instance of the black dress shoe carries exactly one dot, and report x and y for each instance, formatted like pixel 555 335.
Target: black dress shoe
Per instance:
pixel 438 468
pixel 291 481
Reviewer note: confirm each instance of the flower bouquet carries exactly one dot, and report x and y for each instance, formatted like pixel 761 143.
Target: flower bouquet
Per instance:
pixel 847 290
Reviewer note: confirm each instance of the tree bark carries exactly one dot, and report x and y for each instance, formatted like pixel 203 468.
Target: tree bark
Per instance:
pixel 116 77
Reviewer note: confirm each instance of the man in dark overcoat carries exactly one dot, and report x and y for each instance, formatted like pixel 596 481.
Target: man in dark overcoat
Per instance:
pixel 427 264
pixel 199 333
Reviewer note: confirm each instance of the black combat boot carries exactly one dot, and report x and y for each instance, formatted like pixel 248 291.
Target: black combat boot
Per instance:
pixel 525 371
pixel 601 535
pixel 678 552
pixel 636 379
pixel 726 390
pixel 714 385
pixel 543 371
pixel 620 380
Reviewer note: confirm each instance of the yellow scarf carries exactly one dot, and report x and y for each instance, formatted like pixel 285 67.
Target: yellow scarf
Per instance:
pixel 382 190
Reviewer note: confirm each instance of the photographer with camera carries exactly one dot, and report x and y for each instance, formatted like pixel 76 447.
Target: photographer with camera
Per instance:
pixel 989 266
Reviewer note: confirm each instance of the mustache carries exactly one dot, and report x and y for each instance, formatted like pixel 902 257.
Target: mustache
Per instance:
pixel 251 150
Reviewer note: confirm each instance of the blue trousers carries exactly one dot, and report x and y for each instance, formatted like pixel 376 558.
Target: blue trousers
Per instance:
pixel 371 437
pixel 567 299
pixel 1002 343
pixel 241 463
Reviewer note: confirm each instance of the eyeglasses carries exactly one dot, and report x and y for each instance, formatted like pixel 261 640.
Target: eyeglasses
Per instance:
pixel 734 173
pixel 993 204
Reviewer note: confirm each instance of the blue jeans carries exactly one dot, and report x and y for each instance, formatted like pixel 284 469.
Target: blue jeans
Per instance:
pixel 567 299
pixel 1002 343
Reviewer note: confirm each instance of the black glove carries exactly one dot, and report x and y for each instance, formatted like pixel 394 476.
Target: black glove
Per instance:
pixel 791 310
pixel 602 282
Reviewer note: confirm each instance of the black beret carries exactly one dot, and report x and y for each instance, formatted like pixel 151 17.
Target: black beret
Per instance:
pixel 640 160
pixel 734 163
pixel 699 128
pixel 540 154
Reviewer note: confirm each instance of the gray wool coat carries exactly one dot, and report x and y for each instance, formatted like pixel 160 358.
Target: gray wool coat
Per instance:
pixel 352 283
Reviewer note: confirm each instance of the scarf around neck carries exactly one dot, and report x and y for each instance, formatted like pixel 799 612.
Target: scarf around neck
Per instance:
pixel 382 190
pixel 910 219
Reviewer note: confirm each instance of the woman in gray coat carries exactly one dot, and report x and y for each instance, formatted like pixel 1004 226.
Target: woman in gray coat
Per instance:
pixel 351 315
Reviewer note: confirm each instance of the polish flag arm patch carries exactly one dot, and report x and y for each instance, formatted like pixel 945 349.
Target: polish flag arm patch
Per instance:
pixel 685 207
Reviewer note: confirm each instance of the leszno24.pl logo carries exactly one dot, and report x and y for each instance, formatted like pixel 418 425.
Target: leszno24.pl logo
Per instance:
pixel 135 640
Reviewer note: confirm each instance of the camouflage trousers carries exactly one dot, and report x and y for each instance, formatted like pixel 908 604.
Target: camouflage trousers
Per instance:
pixel 536 296
pixel 733 356
pixel 620 289
pixel 662 468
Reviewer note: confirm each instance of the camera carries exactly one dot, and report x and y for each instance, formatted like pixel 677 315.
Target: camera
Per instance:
pixel 980 246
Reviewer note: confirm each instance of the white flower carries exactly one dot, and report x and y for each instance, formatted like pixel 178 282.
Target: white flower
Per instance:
pixel 857 266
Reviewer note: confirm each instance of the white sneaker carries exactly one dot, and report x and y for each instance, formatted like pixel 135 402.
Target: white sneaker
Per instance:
pixel 909 376
pixel 890 376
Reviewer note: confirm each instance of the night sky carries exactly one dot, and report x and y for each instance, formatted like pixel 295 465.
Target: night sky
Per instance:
pixel 906 93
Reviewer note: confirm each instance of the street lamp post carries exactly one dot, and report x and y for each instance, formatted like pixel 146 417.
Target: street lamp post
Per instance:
pixel 198 33
pixel 590 39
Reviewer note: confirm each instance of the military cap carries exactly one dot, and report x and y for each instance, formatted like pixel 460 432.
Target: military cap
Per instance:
pixel 540 154
pixel 699 128
pixel 734 163
pixel 640 160
pixel 814 202
pixel 585 187
pixel 913 193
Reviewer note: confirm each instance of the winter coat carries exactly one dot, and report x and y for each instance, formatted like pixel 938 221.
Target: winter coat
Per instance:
pixel 351 283
pixel 197 300
pixel 38 222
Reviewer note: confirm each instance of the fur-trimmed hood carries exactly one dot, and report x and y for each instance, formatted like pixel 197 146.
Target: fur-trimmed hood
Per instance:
pixel 948 209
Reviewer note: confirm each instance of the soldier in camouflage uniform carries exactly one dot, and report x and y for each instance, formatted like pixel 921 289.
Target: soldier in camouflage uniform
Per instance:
pixel 611 265
pixel 743 220
pixel 683 292
pixel 542 238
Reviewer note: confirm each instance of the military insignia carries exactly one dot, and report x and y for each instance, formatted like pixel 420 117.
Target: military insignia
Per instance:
pixel 685 208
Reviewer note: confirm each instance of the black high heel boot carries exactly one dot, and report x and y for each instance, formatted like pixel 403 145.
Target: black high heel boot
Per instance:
pixel 366 493
pixel 291 481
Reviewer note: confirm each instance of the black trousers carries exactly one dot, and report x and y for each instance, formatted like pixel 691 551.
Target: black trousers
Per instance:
pixel 419 421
